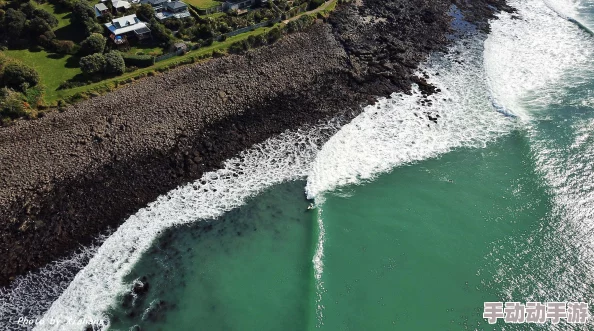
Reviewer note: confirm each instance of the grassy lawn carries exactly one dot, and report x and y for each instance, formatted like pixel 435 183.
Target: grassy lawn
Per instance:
pixel 145 49
pixel 216 15
pixel 53 69
pixel 64 30
pixel 204 4
pixel 63 16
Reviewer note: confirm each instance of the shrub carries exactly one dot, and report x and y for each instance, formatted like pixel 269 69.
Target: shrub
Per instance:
pixel 141 61
pixel 95 43
pixel 65 46
pixel 313 4
pixel 11 104
pixel 92 64
pixel 15 75
pixel 114 63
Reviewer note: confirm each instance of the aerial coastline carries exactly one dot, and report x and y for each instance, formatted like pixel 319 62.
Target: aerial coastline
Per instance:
pixel 69 176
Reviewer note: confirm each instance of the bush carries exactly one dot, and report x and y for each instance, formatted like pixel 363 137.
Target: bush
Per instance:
pixel 141 61
pixel 65 47
pixel 12 104
pixel 19 76
pixel 95 43
pixel 92 64
pixel 114 63
pixel 273 35
pixel 313 4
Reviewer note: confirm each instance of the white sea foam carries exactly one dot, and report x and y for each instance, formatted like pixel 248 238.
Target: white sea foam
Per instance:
pixel 398 130
pixel 29 296
pixel 95 288
pixel 318 264
pixel 527 56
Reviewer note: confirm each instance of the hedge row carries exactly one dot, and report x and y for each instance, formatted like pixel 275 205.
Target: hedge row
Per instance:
pixel 140 61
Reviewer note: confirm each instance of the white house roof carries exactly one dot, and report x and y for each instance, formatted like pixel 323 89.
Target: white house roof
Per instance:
pixel 121 4
pixel 125 24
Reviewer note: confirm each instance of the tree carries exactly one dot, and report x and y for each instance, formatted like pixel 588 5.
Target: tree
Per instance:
pixel 161 33
pixel 92 64
pixel 95 43
pixel 145 12
pixel 46 16
pixel 114 63
pixel 19 76
pixel 14 23
pixel 82 12
pixel 83 16
pixel 38 26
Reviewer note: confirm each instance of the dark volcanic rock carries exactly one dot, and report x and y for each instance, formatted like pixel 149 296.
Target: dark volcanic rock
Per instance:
pixel 69 176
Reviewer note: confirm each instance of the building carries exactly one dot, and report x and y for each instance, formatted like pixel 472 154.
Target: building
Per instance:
pixel 101 9
pixel 166 9
pixel 156 4
pixel 230 5
pixel 120 5
pixel 127 26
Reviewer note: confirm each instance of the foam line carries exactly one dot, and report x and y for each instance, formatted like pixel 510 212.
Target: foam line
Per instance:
pixel 568 18
pixel 95 288
pixel 318 263
pixel 409 128
pixel 529 54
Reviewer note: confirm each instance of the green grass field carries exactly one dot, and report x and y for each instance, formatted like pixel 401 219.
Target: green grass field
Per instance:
pixel 204 4
pixel 53 69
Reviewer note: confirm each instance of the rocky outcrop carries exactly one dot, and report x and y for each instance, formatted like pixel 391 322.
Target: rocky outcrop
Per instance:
pixel 69 176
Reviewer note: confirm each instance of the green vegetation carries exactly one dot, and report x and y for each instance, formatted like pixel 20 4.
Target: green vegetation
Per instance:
pixel 204 4
pixel 52 68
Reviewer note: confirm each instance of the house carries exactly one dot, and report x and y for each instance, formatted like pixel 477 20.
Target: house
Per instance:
pixel 230 5
pixel 120 5
pixel 128 26
pixel 175 9
pixel 101 9
pixel 157 5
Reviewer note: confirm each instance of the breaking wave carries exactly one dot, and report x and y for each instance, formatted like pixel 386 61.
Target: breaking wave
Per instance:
pixel 95 288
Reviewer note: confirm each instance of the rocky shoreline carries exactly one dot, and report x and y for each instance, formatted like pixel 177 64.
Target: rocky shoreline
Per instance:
pixel 67 177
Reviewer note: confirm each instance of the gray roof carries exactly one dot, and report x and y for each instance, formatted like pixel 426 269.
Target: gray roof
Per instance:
pixel 101 7
pixel 154 2
pixel 176 5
